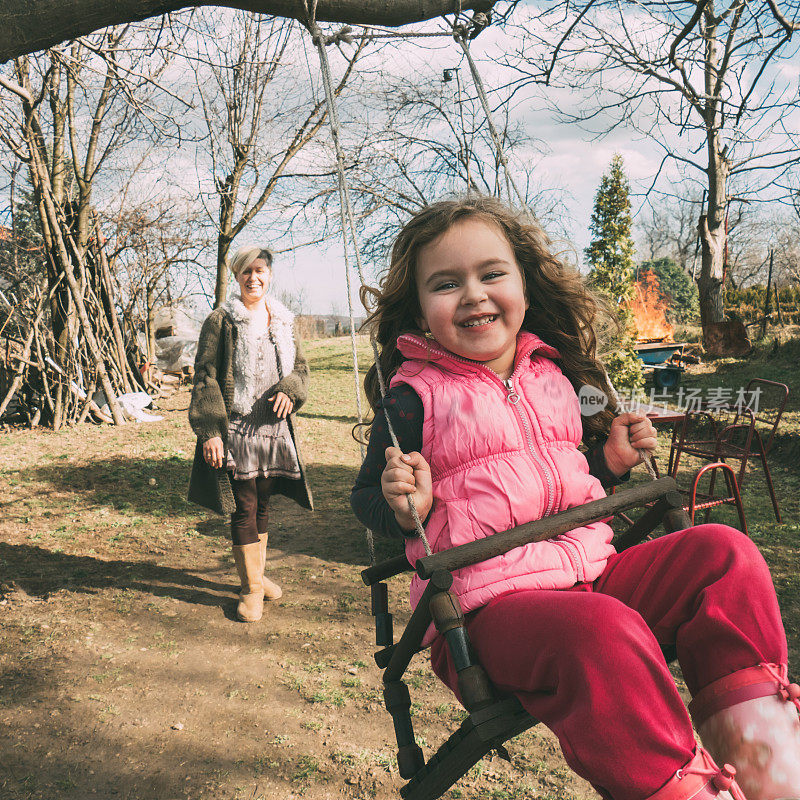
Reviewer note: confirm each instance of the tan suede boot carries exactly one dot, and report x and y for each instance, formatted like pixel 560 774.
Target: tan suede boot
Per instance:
pixel 250 566
pixel 271 589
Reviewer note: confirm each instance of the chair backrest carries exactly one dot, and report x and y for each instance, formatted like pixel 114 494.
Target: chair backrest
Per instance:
pixel 767 400
pixel 703 426
pixel 705 429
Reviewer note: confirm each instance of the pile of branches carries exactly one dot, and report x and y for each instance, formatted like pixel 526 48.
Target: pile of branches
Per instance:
pixel 66 352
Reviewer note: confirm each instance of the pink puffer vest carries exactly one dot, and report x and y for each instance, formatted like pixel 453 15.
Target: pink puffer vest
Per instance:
pixel 502 454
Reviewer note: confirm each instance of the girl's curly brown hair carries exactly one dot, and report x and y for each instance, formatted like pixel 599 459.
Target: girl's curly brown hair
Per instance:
pixel 562 310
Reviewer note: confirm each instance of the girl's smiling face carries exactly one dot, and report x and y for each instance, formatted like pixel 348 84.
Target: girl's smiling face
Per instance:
pixel 254 281
pixel 471 293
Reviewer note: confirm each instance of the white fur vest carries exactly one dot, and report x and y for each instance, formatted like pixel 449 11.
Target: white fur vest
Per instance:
pixel 254 351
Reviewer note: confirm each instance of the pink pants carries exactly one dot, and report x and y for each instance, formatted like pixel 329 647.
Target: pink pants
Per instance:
pixel 587 662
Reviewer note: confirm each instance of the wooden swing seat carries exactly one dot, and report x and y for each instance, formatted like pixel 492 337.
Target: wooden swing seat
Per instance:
pixel 493 718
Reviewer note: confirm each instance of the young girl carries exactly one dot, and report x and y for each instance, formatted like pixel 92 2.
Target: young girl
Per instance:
pixel 486 337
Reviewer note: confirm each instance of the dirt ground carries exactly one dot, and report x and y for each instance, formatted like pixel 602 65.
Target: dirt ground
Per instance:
pixel 123 673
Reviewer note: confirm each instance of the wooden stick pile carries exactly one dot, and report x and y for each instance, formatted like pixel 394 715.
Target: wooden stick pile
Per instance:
pixel 64 340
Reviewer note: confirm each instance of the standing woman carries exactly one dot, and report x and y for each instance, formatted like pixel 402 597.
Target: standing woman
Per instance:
pixel 250 376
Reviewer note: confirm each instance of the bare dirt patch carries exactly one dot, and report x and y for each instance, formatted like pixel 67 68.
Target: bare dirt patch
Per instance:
pixel 123 673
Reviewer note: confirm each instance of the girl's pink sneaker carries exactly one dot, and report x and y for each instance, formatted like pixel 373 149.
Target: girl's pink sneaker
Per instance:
pixel 701 779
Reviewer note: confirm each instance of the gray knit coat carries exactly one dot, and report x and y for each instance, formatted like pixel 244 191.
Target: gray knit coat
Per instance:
pixel 210 407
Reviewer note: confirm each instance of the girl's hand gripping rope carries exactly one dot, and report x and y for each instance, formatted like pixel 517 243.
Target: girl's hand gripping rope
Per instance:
pixel 407 474
pixel 631 438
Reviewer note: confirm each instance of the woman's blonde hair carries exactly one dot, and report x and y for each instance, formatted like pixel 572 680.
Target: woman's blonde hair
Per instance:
pixel 562 310
pixel 245 256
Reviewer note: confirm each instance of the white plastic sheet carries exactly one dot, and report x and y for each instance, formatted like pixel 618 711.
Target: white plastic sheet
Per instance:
pixel 178 350
pixel 131 404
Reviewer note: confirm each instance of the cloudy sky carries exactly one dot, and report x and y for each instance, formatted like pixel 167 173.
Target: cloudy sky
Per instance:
pixel 576 163
pixel 568 158
pixel 565 160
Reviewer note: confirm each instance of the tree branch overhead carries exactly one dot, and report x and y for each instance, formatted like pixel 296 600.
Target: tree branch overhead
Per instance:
pixel 30 25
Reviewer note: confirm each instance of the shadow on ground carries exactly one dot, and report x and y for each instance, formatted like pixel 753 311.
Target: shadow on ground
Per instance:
pixel 40 572
pixel 156 490
pixel 349 419
pixel 81 752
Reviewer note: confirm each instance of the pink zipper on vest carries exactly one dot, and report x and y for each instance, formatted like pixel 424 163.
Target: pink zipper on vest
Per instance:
pixel 513 399
pixel 569 548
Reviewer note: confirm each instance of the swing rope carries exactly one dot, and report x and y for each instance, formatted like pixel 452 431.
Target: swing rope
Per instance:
pixel 346 210
pixel 460 35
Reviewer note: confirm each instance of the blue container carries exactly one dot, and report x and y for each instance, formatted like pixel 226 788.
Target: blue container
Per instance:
pixel 666 373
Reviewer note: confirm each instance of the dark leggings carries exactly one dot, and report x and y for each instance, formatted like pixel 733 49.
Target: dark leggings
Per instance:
pixel 251 516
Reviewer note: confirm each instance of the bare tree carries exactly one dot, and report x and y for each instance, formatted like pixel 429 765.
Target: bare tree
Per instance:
pixel 295 300
pixel 415 141
pixel 256 123
pixel 789 240
pixel 20 239
pixel 152 254
pixel 758 231
pixel 668 228
pixel 787 251
pixel 65 114
pixel 697 79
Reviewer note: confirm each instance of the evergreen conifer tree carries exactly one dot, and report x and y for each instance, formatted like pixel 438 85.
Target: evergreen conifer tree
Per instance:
pixel 610 256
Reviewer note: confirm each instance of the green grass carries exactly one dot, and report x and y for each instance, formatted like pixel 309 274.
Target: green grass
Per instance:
pixel 307 768
pixel 333 388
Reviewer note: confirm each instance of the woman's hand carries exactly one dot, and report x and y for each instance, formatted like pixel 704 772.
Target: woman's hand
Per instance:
pixel 281 404
pixel 630 432
pixel 407 474
pixel 214 452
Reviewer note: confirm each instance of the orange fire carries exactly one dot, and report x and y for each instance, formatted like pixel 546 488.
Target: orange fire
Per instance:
pixel 648 308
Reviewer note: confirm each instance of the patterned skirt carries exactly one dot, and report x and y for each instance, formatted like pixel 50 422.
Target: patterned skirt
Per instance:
pixel 264 449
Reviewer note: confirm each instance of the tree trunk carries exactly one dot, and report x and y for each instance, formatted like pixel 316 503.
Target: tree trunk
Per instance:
pixel 30 25
pixel 223 273
pixel 710 282
pixel 150 324
pixel 106 296
pixel 26 350
pixel 767 297
pixel 60 256
pixel 712 231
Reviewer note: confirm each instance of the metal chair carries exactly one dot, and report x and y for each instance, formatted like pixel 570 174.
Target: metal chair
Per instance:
pixel 493 717
pixel 699 501
pixel 739 434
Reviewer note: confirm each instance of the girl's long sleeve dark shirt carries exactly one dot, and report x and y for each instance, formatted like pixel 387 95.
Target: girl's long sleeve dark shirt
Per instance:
pixel 406 413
